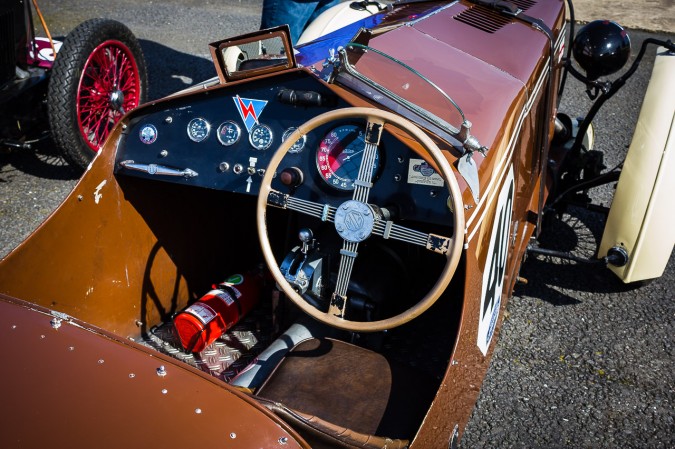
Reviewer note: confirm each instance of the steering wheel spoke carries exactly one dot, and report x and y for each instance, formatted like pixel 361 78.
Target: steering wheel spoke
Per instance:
pixel 364 181
pixel 338 302
pixel 433 242
pixel 324 212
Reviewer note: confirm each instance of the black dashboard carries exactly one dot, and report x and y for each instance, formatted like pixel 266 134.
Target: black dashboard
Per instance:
pixel 223 139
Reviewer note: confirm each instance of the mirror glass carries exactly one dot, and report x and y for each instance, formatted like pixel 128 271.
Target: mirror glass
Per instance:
pixel 240 58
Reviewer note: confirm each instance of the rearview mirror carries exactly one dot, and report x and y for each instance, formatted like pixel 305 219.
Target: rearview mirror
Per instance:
pixel 253 54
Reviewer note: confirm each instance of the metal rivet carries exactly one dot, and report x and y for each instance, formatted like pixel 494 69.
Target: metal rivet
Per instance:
pixel 80 197
pixel 124 126
pixel 169 119
pixel 163 153
pixel 101 361
pixel 71 348
pixel 131 375
pixel 401 160
pixel 283 440
pixel 55 322
pixel 198 411
pixel 164 391
pixel 14 326
pixel 161 371
pixel 233 435
pixel 397 178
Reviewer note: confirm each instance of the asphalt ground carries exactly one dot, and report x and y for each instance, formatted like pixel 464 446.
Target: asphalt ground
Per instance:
pixel 582 361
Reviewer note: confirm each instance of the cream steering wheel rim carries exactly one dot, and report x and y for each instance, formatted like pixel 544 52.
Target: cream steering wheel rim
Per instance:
pixel 452 255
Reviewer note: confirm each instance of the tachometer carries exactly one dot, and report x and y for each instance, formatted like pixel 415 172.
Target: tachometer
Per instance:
pixel 339 156
pixel 198 129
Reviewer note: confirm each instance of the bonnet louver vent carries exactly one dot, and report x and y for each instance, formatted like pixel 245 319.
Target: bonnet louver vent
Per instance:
pixel 483 18
pixel 523 4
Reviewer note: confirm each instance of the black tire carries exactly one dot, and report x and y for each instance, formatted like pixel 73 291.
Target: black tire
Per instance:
pixel 72 91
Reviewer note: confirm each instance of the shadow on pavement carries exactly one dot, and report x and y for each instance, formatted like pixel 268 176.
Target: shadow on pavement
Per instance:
pixel 170 70
pixel 578 232
pixel 44 161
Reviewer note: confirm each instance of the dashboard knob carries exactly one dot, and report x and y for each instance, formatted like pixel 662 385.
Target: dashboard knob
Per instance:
pixel 291 177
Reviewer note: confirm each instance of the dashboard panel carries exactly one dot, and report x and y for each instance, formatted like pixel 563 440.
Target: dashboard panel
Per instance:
pixel 223 139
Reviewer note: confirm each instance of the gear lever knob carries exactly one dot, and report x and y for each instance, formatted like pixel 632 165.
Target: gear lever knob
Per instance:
pixel 305 235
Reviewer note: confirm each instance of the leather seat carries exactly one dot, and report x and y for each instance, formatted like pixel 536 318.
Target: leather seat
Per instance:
pixel 346 395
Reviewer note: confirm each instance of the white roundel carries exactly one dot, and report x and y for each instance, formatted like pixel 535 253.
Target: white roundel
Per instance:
pixel 495 265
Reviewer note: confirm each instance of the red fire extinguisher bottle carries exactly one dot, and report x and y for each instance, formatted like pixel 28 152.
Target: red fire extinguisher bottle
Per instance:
pixel 201 323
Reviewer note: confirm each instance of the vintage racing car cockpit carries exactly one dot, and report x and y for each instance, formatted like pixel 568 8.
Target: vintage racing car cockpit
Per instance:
pixel 323 235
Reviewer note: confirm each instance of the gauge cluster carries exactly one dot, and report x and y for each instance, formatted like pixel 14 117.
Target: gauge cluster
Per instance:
pixel 224 138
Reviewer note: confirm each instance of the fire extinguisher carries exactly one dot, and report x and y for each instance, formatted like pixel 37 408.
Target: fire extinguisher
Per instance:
pixel 201 323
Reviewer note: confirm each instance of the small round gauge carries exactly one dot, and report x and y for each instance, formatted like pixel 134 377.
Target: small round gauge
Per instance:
pixel 198 129
pixel 299 144
pixel 261 136
pixel 339 156
pixel 229 133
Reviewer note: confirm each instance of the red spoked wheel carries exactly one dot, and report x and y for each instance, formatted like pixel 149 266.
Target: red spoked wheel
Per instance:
pixel 110 85
pixel 98 75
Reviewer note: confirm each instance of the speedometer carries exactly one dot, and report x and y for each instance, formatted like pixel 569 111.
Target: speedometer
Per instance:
pixel 339 156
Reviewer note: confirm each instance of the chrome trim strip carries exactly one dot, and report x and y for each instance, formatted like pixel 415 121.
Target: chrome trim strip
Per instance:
pixel 431 14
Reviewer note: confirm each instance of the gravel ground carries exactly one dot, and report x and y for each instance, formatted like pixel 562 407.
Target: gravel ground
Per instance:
pixel 582 361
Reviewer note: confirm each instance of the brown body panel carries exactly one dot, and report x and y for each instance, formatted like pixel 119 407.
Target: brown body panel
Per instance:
pixel 127 262
pixel 77 376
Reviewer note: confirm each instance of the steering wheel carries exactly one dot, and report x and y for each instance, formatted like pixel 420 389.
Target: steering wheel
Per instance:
pixel 355 220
